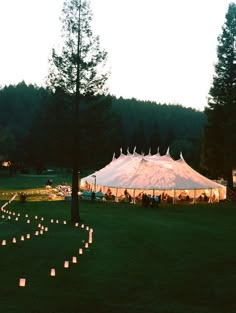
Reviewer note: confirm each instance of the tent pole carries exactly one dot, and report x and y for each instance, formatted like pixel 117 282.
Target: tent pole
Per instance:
pixel 210 199
pixel 133 201
pixel 194 196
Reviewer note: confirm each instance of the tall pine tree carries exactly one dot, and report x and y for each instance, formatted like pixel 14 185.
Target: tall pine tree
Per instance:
pixel 78 69
pixel 220 130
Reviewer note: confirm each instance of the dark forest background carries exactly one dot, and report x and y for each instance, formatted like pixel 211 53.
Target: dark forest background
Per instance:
pixel 36 129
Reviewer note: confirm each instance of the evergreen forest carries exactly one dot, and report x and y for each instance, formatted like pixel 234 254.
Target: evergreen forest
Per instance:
pixel 36 129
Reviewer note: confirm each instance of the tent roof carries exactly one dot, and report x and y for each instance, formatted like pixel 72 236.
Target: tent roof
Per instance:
pixel 150 172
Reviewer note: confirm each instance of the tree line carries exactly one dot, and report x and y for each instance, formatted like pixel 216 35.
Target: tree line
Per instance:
pixel 36 128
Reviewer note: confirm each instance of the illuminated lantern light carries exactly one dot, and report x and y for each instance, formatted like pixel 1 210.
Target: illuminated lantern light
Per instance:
pixel 76 224
pixel 80 251
pixel 14 240
pixel 41 231
pixel 46 229
pixel 18 214
pixel 36 233
pixel 39 225
pixel 57 221
pixel 16 218
pixel 9 217
pixel 42 218
pixel 3 216
pixel 52 220
pixel 22 282
pixel 66 264
pixel 86 245
pixel 36 217
pixel 74 259
pixel 91 230
pixel 4 242
pixel 42 227
pixel 87 227
pixel 26 215
pixel 91 240
pixel 28 236
pixel 28 221
pixel 22 238
pixel 82 226
pixel 53 272
pixel 13 213
pixel 64 222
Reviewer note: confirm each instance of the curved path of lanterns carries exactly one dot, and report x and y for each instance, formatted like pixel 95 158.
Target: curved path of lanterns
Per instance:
pixel 40 230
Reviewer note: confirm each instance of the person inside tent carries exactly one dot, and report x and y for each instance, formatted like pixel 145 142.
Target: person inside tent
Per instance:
pixel 164 196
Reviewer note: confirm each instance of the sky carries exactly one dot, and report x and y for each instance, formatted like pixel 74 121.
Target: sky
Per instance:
pixel 158 50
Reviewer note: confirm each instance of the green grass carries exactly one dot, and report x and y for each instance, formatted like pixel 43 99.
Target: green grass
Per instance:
pixel 28 181
pixel 175 259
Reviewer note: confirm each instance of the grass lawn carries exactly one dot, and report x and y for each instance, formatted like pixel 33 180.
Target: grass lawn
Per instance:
pixel 175 259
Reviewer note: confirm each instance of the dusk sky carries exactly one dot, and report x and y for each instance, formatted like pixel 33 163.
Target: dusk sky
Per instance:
pixel 158 50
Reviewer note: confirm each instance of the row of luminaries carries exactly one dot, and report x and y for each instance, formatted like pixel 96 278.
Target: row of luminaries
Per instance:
pixel 41 229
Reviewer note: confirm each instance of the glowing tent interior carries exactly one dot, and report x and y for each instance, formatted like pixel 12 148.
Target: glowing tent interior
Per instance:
pixel 154 175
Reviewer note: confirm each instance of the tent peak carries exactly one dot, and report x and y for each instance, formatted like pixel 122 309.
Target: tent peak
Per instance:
pixel 128 153
pixel 181 157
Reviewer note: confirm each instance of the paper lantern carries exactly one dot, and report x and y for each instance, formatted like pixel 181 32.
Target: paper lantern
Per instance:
pixel 74 259
pixel 42 218
pixel 16 219
pixel 18 214
pixel 82 226
pixel 57 221
pixel 46 229
pixel 52 220
pixel 80 251
pixel 39 225
pixel 22 282
pixel 28 236
pixel 9 217
pixel 14 240
pixel 53 272
pixel 76 224
pixel 41 231
pixel 87 227
pixel 4 242
pixel 36 217
pixel 26 215
pixel 86 245
pixel 22 238
pixel 28 221
pixel 66 264
pixel 36 233
pixel 90 240
pixel 64 222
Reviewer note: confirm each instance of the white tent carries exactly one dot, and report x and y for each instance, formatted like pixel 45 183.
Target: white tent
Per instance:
pixel 152 174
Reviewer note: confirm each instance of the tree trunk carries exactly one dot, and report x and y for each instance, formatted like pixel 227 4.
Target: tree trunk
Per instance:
pixel 75 198
pixel 229 178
